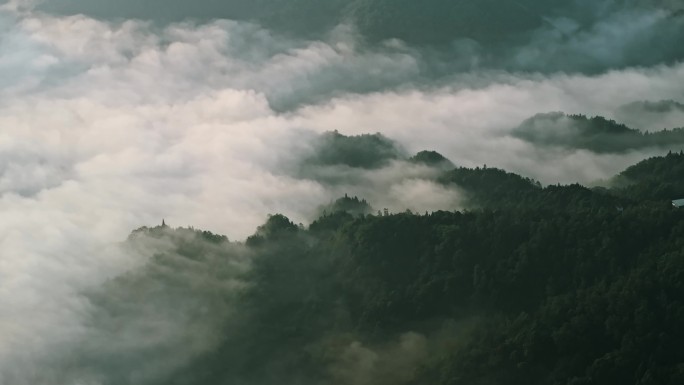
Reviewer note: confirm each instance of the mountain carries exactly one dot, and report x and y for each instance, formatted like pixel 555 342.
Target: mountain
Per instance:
pixel 657 178
pixel 432 159
pixel 350 205
pixel 595 134
pixel 367 151
pixel 538 285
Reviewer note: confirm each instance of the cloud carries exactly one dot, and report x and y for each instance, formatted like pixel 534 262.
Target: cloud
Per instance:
pixel 545 36
pixel 395 360
pixel 472 126
pixel 109 125
pixel 395 364
pixel 144 325
pixel 596 134
pixel 652 115
pixel 628 37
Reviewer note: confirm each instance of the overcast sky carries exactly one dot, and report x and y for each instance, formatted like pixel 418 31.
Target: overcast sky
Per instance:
pixel 109 125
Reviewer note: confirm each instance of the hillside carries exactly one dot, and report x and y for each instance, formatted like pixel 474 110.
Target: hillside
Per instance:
pixel 657 178
pixel 596 134
pixel 555 285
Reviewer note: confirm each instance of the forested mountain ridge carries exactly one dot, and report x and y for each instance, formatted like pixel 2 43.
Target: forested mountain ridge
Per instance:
pixel 539 285
pixel 658 178
pixel 596 134
pixel 492 188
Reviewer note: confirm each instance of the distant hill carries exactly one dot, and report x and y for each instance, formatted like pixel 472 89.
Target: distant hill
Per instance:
pixel 658 178
pixel 561 284
pixel 595 134
pixel 492 188
pixel 432 159
pixel 350 205
pixel 367 151
pixel 652 115
pixel 651 106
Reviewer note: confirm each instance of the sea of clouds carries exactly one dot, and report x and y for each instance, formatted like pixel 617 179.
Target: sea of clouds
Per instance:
pixel 106 126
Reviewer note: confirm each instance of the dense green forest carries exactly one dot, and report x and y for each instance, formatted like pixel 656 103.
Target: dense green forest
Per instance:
pixel 531 285
pixel 362 151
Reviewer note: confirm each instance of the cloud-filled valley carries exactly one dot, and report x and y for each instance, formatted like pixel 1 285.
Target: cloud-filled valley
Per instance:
pixel 111 122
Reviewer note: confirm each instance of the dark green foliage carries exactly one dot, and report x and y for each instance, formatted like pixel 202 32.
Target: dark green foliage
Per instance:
pixel 351 205
pixel 188 242
pixel 491 187
pixel 566 287
pixel 432 159
pixel 658 178
pixel 276 227
pixel 330 222
pixel 595 134
pixel 602 317
pixel 362 151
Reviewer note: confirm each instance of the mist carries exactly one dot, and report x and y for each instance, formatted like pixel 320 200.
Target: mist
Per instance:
pixel 116 116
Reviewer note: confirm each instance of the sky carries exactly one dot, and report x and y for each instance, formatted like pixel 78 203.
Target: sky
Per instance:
pixel 112 122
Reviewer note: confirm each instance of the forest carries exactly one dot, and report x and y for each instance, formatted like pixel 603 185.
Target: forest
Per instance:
pixel 561 284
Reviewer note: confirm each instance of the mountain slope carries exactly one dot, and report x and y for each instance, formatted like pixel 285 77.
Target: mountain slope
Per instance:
pixel 537 286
